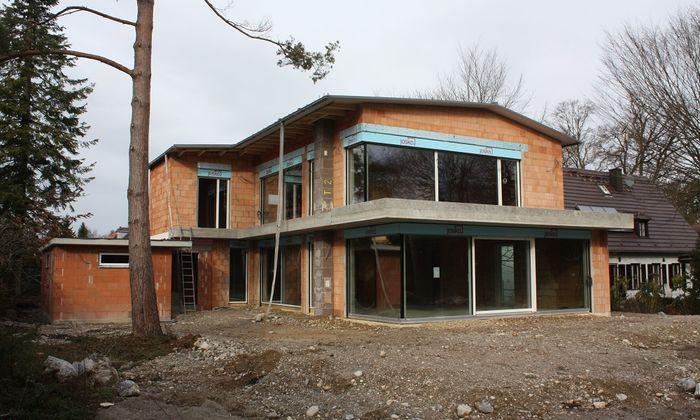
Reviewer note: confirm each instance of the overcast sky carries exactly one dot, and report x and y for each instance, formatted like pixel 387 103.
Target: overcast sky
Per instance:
pixel 212 85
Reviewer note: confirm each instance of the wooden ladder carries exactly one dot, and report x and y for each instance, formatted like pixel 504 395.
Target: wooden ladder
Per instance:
pixel 189 292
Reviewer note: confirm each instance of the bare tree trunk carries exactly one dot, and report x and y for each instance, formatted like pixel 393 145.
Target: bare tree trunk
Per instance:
pixel 144 306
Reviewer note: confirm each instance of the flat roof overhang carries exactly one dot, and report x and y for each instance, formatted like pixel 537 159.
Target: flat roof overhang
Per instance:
pixel 393 210
pixel 99 242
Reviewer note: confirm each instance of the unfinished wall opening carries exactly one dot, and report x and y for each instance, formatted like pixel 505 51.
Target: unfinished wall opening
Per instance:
pixel 176 296
pixel 238 260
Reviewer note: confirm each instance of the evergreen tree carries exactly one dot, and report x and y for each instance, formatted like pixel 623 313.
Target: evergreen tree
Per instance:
pixel 83 231
pixel 40 134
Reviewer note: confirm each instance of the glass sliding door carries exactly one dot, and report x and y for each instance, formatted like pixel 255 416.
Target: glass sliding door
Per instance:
pixel 561 274
pixel 437 276
pixel 374 276
pixel 501 274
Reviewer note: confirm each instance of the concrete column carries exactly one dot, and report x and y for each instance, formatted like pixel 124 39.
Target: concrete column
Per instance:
pixel 322 269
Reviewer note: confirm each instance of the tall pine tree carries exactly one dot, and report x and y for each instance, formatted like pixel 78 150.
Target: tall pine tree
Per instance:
pixel 41 174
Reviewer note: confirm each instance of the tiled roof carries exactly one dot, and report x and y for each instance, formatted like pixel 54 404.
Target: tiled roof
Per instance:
pixel 668 231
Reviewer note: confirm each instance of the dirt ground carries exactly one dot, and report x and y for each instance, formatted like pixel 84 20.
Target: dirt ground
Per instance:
pixel 526 367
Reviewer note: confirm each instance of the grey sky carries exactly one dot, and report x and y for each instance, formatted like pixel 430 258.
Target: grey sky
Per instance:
pixel 212 85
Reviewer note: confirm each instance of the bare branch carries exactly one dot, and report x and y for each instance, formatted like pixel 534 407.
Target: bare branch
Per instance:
pixel 35 53
pixel 75 9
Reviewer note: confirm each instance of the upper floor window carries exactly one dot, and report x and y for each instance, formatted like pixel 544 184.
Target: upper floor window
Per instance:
pixel 213 195
pixel 641 227
pixel 292 195
pixel 379 171
pixel 212 203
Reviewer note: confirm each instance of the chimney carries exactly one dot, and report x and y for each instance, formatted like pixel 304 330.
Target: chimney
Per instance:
pixel 616 179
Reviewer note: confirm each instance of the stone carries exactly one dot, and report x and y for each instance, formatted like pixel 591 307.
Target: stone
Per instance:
pixel 106 376
pixel 530 375
pixel 259 318
pixel 106 404
pixel 357 373
pixel 484 406
pixel 349 417
pixel 621 397
pixel 60 368
pixel 272 415
pixel 128 388
pixel 697 392
pixel 687 384
pixel 662 313
pixel 600 404
pixel 382 353
pixel 84 366
pixel 463 410
pixel 394 416
pixel 312 411
pixel 202 345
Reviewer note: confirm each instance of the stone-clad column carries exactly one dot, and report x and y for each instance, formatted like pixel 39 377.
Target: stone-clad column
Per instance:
pixel 322 269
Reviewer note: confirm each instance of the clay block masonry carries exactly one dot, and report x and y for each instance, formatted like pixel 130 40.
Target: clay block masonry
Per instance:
pixel 398 210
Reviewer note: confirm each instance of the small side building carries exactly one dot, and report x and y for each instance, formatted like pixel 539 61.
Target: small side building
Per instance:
pixel 88 279
pixel 662 239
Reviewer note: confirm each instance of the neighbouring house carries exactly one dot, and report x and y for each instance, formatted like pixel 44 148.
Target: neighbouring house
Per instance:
pixel 659 246
pixel 399 210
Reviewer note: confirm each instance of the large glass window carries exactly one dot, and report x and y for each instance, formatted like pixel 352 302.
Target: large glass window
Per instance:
pixel 237 275
pixel 270 198
pixel 467 178
pixel 501 274
pixel 374 277
pixel 561 273
pixel 509 182
pixel 398 172
pixel 212 203
pixel 287 289
pixel 357 175
pixel 437 276
pixel 378 171
pixel 292 192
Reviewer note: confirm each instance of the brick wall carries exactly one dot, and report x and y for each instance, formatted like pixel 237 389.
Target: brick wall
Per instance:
pixel 75 287
pixel 542 177
pixel 600 290
pixel 178 187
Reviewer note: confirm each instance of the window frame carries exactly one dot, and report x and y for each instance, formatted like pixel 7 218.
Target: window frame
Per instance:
pixel 641 227
pixel 531 273
pixel 112 265
pixel 217 203
pixel 436 171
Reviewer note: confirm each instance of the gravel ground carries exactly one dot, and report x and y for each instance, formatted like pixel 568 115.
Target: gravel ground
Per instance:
pixel 524 367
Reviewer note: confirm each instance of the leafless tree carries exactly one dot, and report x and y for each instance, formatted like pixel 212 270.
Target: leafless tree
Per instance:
pixel 481 76
pixel 575 118
pixel 652 73
pixel 144 310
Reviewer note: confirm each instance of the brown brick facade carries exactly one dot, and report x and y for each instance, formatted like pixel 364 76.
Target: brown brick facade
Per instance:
pixel 75 287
